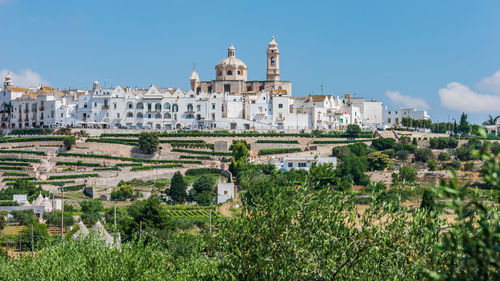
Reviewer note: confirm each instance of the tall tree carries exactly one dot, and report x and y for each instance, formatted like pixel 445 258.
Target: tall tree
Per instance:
pixel 92 211
pixel 177 190
pixel 464 127
pixel 149 142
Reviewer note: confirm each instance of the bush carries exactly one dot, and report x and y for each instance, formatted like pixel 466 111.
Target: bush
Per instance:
pixel 23 152
pixel 202 171
pixel 203 190
pixel 428 200
pixel 378 161
pixel 402 154
pixel 149 142
pixel 383 143
pixel 353 130
pixel 443 156
pixel 92 211
pixel 469 166
pixel 33 131
pixel 455 164
pixel 278 141
pixel 202 152
pixel 75 176
pixel 150 167
pixel 29 160
pixel 432 165
pixel 407 174
pixel 69 141
pixel 279 151
pixel 443 142
pixel 423 155
pixel 123 193
pixel 464 153
pixel 77 163
pixel 127 158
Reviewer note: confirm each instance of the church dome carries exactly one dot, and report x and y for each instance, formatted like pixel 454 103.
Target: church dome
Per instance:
pixel 231 67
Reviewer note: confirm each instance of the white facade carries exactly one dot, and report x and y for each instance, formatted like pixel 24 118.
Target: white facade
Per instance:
pixel 304 163
pixel 393 117
pixel 225 191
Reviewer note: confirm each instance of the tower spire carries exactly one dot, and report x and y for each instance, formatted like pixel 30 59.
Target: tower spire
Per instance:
pixel 273 61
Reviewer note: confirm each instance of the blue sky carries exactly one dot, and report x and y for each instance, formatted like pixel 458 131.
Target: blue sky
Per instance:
pixel 437 55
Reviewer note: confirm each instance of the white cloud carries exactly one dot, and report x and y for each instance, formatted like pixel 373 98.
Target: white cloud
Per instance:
pixel 406 101
pixel 461 98
pixel 490 84
pixel 24 78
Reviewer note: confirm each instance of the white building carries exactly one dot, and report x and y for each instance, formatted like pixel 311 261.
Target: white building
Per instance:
pixel 225 191
pixel 304 163
pixel 393 117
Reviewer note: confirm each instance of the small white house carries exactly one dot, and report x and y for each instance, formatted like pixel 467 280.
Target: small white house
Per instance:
pixel 225 191
pixel 288 163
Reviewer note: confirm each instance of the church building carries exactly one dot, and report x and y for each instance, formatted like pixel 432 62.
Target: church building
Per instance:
pixel 231 76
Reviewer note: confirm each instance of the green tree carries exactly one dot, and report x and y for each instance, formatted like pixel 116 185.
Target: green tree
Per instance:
pixel 464 127
pixel 3 220
pixel 352 168
pixel 432 164
pixel 443 156
pixel 41 237
pixel 149 142
pixel 407 174
pixel 151 213
pixel 69 141
pixel 423 154
pixel 240 157
pixel 24 217
pixel 353 130
pixel 491 120
pixel 92 211
pixel 178 186
pixel 378 161
pixel 322 176
pixel 203 189
pixel 54 218
pixel 383 143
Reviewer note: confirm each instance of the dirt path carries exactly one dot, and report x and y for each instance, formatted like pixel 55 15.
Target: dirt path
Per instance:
pixel 224 209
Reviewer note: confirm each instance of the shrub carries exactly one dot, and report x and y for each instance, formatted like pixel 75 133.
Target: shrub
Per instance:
pixel 150 167
pixel 279 150
pixel 432 164
pixel 202 171
pixel 69 141
pixel 278 141
pixel 12 168
pixel 428 200
pixel 353 130
pixel 443 156
pixel 401 155
pixel 77 163
pixel 455 164
pixel 33 131
pixel 107 169
pixel 423 155
pixel 443 142
pixel 76 176
pixel 22 152
pixel 177 190
pixel 201 152
pixel 469 166
pixel 30 160
pixel 378 161
pixel 203 190
pixel 383 143
pixel 407 174
pixel 127 158
pixel 149 142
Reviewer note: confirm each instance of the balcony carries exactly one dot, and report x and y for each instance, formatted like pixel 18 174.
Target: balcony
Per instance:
pixel 105 107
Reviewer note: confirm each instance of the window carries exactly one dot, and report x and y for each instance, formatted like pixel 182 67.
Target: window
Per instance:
pixel 272 61
pixel 61 115
pixel 198 107
pixel 114 105
pixel 139 106
pixel 209 89
pixel 190 108
pixel 220 73
pixel 302 165
pixel 261 88
pixel 239 72
pixel 130 114
pixel 229 72
pixel 175 108
pixel 290 165
pixel 213 116
pixel 167 106
pixel 389 120
pixel 227 88
pixel 129 105
pixel 139 115
pixel 158 107
pixel 95 104
pixel 280 105
pixel 167 116
pixel 85 105
pixel 117 115
pixel 149 107
pixel 213 105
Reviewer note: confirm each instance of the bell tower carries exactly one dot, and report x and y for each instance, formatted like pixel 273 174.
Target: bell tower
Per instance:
pixel 8 81
pixel 273 61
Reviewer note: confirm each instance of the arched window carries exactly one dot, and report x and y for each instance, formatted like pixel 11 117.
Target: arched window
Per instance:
pixel 138 125
pixel 139 106
pixel 130 105
pixel 149 125
pixel 220 73
pixel 239 72
pixel 139 115
pixel 190 108
pixel 175 107
pixel 130 114
pixel 167 116
pixel 157 116
pixel 272 61
pixel 166 106
pixel 229 72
